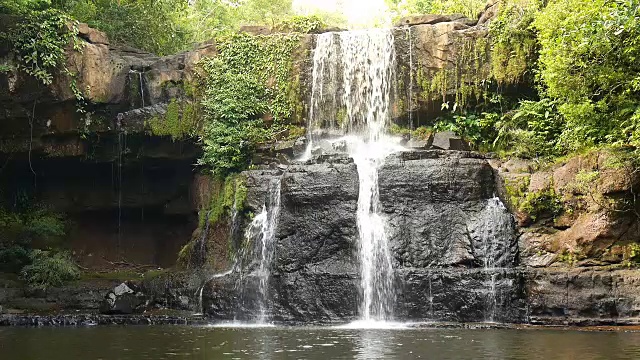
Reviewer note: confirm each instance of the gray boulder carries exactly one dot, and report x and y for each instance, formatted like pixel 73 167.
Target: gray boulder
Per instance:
pixel 448 140
pixel 124 299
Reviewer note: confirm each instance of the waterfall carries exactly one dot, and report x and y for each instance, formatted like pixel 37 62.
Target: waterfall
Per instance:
pixel 352 87
pixel 262 231
pixel 140 84
pixel 496 227
pixel 410 99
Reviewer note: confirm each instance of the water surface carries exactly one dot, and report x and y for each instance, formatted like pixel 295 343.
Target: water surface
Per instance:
pixel 189 342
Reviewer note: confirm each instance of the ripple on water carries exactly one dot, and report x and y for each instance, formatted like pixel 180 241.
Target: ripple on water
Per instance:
pixel 240 325
pixel 376 325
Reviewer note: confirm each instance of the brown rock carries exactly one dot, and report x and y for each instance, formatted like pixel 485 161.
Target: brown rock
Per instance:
pixel 592 233
pixel 490 12
pixel 615 177
pixel 564 175
pixel 92 35
pixel 540 181
pixel 447 140
pixel 517 166
pixel 437 47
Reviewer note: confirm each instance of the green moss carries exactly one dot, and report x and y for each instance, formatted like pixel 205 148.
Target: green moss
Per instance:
pixel 180 121
pixel 516 188
pixel 341 116
pixel 570 257
pixel 535 204
pixel 228 196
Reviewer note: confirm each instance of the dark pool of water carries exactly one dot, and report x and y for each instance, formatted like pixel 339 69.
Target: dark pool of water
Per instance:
pixel 185 342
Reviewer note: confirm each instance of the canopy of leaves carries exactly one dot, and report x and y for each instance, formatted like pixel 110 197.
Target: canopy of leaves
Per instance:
pixel 469 8
pixel 590 62
pixel 583 58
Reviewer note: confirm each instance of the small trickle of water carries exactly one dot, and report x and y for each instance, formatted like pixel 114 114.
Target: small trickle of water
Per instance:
pixel 140 84
pixel 496 228
pixel 410 99
pixel 263 230
pixel 238 253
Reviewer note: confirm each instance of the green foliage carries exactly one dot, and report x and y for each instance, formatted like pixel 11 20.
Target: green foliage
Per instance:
pixel 532 130
pixel 514 49
pixel 13 258
pixel 589 59
pixel 5 68
pixel 472 127
pixel 421 132
pixel 264 11
pixel 180 121
pixel 39 43
pixel 49 269
pixel 30 224
pixel 18 6
pixel 158 26
pixel 469 8
pixel 302 24
pixel 249 83
pixel 631 255
pixel 541 203
pixel 536 204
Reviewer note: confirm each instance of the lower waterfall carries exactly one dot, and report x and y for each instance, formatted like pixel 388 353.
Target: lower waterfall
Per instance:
pixel 260 235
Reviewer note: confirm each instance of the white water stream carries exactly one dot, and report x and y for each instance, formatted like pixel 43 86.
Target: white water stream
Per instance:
pixel 357 106
pixel 263 230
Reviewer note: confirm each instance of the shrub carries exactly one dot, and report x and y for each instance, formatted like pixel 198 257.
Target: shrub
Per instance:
pixel 49 269
pixel 302 24
pixel 541 203
pixel 39 43
pixel 13 258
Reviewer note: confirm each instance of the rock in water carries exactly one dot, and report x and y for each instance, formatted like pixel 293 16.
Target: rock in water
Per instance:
pixel 123 299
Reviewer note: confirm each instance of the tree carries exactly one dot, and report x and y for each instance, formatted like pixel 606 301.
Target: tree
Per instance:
pixel 268 12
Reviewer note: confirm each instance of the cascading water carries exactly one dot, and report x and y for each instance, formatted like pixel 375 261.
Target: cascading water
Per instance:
pixel 410 99
pixel 140 84
pixel 496 226
pixel 357 104
pixel 262 231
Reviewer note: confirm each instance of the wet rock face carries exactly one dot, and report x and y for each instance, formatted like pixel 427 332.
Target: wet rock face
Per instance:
pixel 583 296
pixel 454 244
pixel 442 227
pixel 459 294
pixel 313 274
pixel 314 267
pixel 439 212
